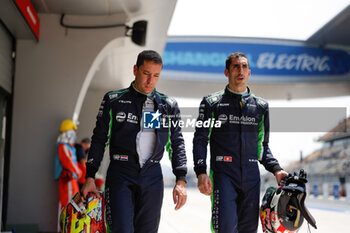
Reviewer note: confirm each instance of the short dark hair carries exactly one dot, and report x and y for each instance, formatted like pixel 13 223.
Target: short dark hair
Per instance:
pixel 234 55
pixel 149 55
pixel 86 140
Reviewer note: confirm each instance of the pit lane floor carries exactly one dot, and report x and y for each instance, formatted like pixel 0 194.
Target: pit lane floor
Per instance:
pixel 331 216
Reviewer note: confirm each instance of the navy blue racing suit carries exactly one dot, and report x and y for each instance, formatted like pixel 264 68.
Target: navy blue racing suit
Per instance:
pixel 236 147
pixel 133 193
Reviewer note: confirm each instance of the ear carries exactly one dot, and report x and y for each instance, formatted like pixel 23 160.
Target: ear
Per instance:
pixel 226 73
pixel 135 69
pixel 249 73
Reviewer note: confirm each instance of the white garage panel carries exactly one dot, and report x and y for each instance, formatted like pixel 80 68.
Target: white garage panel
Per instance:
pixel 5 60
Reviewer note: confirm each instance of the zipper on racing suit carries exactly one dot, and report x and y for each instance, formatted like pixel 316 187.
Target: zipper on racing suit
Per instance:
pixel 241 104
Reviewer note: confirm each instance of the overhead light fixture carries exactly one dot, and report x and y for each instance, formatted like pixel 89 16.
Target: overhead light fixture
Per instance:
pixel 138 33
pixel 138 29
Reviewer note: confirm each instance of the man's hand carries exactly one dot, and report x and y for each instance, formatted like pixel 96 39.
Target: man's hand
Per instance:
pixel 89 186
pixel 280 175
pixel 204 184
pixel 179 194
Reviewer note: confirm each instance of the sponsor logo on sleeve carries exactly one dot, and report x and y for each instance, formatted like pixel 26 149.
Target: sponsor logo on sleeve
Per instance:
pixel 200 161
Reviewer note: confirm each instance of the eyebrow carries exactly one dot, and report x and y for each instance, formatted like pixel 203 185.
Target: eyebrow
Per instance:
pixel 237 64
pixel 148 72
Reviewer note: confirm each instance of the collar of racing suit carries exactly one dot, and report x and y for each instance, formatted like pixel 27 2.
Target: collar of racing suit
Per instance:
pixel 137 92
pixel 153 95
pixel 237 95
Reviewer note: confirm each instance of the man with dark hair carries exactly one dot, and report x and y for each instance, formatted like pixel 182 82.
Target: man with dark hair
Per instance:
pixel 235 148
pixel 82 149
pixel 134 182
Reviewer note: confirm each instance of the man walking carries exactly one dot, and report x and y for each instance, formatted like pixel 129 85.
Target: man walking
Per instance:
pixel 134 182
pixel 236 148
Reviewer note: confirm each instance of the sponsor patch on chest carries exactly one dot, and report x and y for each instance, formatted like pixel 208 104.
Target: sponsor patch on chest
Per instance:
pixel 121 157
pixel 224 158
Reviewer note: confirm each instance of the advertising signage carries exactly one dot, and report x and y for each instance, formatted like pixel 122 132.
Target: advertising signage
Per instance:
pixel 276 62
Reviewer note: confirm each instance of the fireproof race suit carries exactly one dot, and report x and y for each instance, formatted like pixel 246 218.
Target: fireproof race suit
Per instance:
pixel 133 193
pixel 67 172
pixel 236 147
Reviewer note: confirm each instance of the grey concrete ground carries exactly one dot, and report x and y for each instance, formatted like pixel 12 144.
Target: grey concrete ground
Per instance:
pixel 332 216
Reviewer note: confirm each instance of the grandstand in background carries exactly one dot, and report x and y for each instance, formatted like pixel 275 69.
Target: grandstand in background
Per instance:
pixel 328 168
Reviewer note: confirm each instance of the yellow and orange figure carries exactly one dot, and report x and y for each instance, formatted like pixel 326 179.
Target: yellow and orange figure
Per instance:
pixel 67 171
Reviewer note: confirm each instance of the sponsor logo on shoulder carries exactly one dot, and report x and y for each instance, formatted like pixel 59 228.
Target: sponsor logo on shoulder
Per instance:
pixel 112 96
pixel 214 99
pixel 261 102
pixel 251 105
pixel 228 158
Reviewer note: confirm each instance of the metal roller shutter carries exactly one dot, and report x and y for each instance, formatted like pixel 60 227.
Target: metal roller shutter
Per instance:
pixel 5 60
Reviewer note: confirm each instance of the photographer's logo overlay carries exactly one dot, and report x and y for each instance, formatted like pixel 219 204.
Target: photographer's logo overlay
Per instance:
pixel 151 120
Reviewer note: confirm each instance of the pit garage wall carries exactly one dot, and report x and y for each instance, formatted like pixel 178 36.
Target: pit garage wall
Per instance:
pixel 49 76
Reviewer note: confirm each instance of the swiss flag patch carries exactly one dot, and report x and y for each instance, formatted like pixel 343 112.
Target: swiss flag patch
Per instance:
pixel 228 159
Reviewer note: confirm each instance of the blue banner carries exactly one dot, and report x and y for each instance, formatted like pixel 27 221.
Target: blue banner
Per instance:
pixel 336 191
pixel 264 59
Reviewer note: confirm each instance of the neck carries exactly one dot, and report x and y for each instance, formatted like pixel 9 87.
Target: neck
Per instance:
pixel 237 89
pixel 137 89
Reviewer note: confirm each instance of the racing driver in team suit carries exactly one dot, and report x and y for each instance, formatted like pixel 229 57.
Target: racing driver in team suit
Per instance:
pixel 236 147
pixel 134 182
